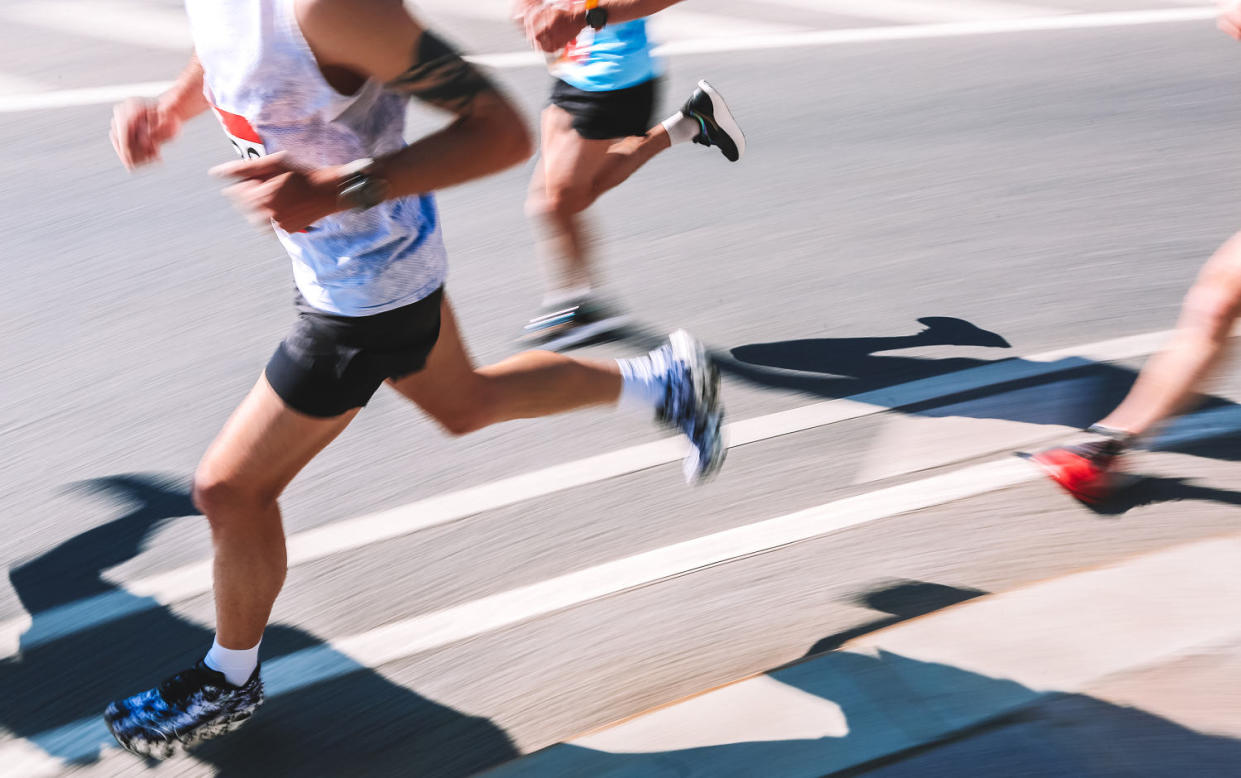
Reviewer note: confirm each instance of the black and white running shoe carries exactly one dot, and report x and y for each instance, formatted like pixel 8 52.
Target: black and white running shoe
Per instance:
pixel 194 705
pixel 717 126
pixel 692 403
pixel 573 324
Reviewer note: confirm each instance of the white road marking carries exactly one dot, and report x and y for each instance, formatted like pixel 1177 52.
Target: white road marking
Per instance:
pixel 676 24
pixel 84 738
pixel 921 10
pixel 907 443
pixel 69 98
pixel 195 579
pixel 133 23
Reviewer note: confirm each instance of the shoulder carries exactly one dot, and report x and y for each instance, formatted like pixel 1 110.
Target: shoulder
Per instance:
pixel 369 35
pixel 357 20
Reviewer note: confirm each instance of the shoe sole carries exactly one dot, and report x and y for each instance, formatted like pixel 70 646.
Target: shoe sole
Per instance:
pixel 180 744
pixel 705 377
pixel 724 118
pixel 576 336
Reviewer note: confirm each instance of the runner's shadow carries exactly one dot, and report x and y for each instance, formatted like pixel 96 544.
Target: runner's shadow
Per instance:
pixel 1076 394
pixel 1150 490
pixel 884 714
pixel 56 687
pixel 902 600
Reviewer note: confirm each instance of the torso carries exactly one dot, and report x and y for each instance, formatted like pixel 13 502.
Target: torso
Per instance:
pixel 271 95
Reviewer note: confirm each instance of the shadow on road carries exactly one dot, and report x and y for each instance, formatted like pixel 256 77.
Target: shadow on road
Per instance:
pixel 902 600
pixel 56 688
pixel 899 716
pixel 841 367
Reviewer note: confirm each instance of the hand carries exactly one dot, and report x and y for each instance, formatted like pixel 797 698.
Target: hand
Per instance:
pixel 551 27
pixel 1230 17
pixel 139 127
pixel 271 190
pixel 520 9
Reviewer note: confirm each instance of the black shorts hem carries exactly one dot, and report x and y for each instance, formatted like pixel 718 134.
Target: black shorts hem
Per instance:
pixel 328 365
pixel 616 113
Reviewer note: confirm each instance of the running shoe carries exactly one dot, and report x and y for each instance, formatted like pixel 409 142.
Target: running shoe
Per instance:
pixel 691 403
pixel 1088 471
pixel 574 323
pixel 717 127
pixel 191 706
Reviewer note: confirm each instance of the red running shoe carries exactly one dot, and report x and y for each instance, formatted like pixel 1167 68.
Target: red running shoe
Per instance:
pixel 1087 471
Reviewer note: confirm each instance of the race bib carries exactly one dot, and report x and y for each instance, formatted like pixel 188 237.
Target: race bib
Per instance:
pixel 245 139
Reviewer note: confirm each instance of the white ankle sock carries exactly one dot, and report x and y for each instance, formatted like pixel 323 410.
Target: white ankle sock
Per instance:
pixel 237 665
pixel 681 128
pixel 642 383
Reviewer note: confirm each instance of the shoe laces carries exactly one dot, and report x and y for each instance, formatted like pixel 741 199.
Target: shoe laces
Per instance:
pixel 1099 453
pixel 180 687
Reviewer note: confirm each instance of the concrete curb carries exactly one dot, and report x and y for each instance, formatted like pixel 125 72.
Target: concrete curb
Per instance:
pixel 924 680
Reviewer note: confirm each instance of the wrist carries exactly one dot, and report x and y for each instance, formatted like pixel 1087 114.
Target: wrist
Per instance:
pixel 356 186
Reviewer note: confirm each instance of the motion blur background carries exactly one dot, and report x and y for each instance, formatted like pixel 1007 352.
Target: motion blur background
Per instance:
pixel 917 202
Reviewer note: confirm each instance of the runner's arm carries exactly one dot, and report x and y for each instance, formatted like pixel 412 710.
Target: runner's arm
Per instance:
pixel 629 10
pixel 185 98
pixel 141 125
pixel 379 39
pixel 552 26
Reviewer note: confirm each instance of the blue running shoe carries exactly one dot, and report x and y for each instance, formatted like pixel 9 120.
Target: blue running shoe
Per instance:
pixel 692 403
pixel 194 705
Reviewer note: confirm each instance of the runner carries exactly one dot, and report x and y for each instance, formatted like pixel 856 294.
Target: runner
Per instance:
pixel 1091 469
pixel 312 94
pixel 595 134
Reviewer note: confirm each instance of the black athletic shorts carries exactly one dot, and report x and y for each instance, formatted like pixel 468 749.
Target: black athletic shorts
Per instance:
pixel 613 114
pixel 330 364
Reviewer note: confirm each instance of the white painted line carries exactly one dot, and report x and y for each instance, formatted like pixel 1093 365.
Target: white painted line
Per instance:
pixel 195 579
pixel 519 59
pixel 680 24
pixel 921 10
pixel 83 739
pixel 137 24
pixel 341 656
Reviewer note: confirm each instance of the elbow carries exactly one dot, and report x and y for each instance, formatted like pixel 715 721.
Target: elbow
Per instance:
pixel 518 144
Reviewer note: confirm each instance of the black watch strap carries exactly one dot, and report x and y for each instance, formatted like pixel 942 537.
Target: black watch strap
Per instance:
pixel 361 189
pixel 596 17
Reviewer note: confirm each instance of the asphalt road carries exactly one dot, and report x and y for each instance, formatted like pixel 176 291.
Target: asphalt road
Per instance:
pixel 1055 188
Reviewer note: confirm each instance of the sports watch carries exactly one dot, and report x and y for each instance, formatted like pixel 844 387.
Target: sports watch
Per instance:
pixel 596 17
pixel 361 189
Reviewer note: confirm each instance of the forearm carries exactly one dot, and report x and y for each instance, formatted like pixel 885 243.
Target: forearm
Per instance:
pixel 629 10
pixel 185 98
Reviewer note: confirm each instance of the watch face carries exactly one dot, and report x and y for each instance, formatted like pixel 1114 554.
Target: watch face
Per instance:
pixel 597 17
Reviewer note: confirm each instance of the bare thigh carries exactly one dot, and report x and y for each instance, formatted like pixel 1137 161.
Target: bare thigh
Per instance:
pixel 448 387
pixel 569 163
pixel 263 445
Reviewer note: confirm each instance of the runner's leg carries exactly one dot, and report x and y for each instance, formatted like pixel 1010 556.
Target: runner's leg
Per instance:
pixel 261 448
pixel 1169 380
pixel 561 187
pixel 464 398
pixel 624 158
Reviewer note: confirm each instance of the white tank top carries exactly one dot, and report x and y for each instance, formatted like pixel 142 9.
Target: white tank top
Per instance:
pixel 269 94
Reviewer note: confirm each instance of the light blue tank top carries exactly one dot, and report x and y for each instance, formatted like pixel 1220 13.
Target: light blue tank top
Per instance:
pixel 266 88
pixel 616 57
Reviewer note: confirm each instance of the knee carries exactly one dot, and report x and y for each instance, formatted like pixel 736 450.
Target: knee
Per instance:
pixel 556 204
pixel 473 410
pixel 228 502
pixel 1211 310
pixel 462 421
